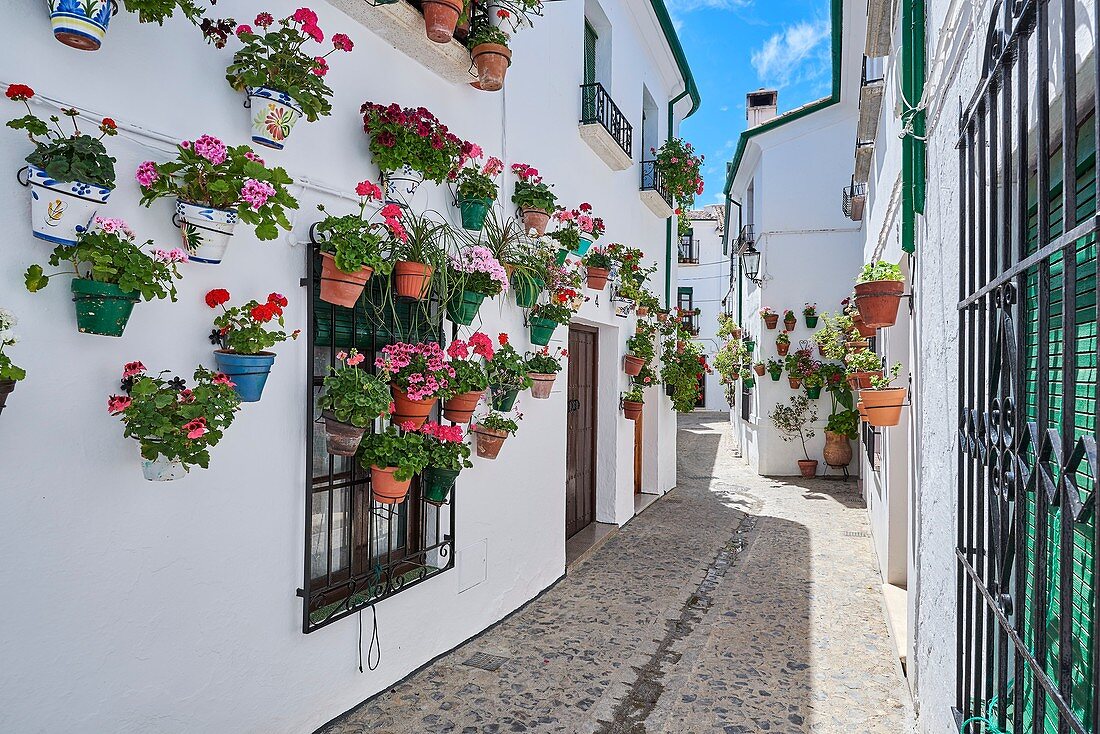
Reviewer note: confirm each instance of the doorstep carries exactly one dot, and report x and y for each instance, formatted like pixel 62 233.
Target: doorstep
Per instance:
pixel 587 541
pixel 642 501
pixel 895 602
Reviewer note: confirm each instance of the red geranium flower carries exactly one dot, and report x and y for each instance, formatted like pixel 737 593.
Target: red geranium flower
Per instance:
pixel 503 339
pixel 277 298
pixel 217 297
pixel 19 92
pixel 263 312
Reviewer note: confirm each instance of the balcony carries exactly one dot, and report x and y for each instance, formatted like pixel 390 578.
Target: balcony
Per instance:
pixel 870 107
pixel 653 191
pixel 745 240
pixel 689 250
pixel 853 201
pixel 690 322
pixel 880 14
pixel 605 128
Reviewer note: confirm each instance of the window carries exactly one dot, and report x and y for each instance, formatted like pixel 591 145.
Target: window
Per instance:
pixel 685 300
pixel 689 250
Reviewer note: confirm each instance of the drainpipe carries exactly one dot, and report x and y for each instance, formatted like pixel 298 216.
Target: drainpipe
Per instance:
pixel 668 222
pixel 913 171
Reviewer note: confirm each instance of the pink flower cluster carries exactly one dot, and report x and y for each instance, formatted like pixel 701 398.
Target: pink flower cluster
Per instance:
pixel 210 148
pixel 368 190
pixel 114 225
pixel 132 369
pixel 147 174
pixel 118 403
pixel 526 173
pixel 492 167
pixel 479 259
pixel 446 434
pixel 308 19
pixel 256 193
pixel 421 369
pixel 354 360
pixel 175 255
pixel 479 344
pixel 391 214
pixel 196 428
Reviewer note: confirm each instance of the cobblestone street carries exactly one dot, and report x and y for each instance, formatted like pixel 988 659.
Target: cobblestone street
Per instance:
pixel 734 604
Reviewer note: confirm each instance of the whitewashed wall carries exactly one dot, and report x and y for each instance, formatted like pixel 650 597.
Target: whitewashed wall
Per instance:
pixel 710 284
pixel 173 608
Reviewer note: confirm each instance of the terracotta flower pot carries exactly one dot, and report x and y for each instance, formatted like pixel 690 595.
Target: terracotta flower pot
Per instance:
pixel 782 349
pixel 808 468
pixel 820 350
pixel 771 320
pixel 460 408
pixel 632 410
pixel 795 382
pixel 535 219
pixel 789 324
pixel 340 288
pixel 386 488
pixel 855 346
pixel 541 384
pixel 862 380
pixel 735 334
pixel 838 450
pixel 492 61
pixel 412 280
pixel 632 365
pixel 883 407
pixel 341 439
pixel 862 328
pixel 488 441
pixel 643 311
pixel 441 18
pixel 878 301
pixel 862 410
pixel 662 316
pixel 760 370
pixel 597 278
pixel 407 410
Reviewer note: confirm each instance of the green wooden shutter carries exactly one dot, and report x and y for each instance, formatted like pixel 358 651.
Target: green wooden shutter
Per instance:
pixel 590 39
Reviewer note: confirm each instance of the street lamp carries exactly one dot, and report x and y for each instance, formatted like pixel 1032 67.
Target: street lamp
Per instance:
pixel 750 263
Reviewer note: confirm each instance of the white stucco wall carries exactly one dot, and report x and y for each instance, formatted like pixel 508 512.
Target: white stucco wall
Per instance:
pixel 173 608
pixel 710 284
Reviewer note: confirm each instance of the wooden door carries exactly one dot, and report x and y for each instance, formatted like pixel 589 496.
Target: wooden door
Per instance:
pixel 639 435
pixel 580 441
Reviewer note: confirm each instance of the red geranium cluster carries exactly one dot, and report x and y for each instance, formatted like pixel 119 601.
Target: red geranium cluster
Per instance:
pixel 447 434
pixel 274 306
pixel 242 329
pixel 526 173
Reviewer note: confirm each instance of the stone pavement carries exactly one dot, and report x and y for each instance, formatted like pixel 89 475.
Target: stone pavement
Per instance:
pixel 734 604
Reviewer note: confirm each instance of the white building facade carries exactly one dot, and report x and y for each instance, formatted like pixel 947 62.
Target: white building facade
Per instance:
pixel 704 283
pixel 181 607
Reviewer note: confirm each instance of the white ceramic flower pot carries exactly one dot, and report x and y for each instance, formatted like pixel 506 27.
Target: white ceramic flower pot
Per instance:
pixel 81 25
pixel 273 116
pixel 163 469
pixel 401 186
pixel 60 210
pixel 205 230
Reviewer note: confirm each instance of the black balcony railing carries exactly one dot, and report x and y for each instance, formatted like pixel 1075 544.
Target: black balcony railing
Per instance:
pixel 853 199
pixel 746 238
pixel 690 321
pixel 689 250
pixel 598 107
pixel 652 180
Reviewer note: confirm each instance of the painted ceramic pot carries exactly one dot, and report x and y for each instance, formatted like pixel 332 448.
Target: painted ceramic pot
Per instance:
pixel 249 372
pixel 503 398
pixel 205 230
pixel 60 210
pixel 80 24
pixel 273 115
pixel 542 330
pixel 399 187
pixel 527 290
pixel 102 308
pixel 163 469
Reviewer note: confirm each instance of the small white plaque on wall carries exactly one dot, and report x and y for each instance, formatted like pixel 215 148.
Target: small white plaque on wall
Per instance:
pixel 471 565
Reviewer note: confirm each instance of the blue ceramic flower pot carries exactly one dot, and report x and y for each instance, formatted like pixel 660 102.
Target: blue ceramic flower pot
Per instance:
pixel 80 24
pixel 248 371
pixel 582 246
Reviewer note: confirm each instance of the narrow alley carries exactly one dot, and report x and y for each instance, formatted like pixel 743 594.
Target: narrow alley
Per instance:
pixel 736 603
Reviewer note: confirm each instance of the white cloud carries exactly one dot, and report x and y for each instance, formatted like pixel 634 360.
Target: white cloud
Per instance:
pixel 797 53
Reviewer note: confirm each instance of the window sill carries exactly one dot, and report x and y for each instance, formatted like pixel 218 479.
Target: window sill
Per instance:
pixel 656 204
pixel 400 25
pixel 605 146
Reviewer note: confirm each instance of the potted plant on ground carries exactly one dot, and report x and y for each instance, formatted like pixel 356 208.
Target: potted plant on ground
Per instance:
pixel 175 425
pixel 789 320
pixel 546 317
pixel 283 81
pixel 879 289
pixel 861 366
pixel 70 175
pixel 841 428
pixel 418 375
pixel 418 250
pixel 747 379
pixel 633 401
pixel 598 264
pixel 577 228
pixel 491 431
pixel 468 358
pixel 809 312
pixel 477 190
pixel 508 375
pixel 448 455
pixel 245 335
pixel 771 318
pixel 882 402
pixel 534 199
pixel 489 50
pixel 411 145
pixel 639 349
pixel 543 367
pixel 775 369
pixel 474 276
pixel 10 373
pixel 393 456
pixel 215 186
pixel 352 249
pixel 352 400
pixel 783 343
pixel 110 274
pixel 793 421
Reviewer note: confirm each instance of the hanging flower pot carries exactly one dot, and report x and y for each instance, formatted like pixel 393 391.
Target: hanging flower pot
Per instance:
pixel 400 186
pixel 412 279
pixel 340 288
pixel 632 410
pixel 488 441
pixel 642 311
pixel 760 369
pixel 502 398
pixel 561 256
pixel 821 350
pixel 883 407
pixel 541 384
pixel 81 25
pixel 6 387
pixel 436 484
pixel 813 393
pixel 597 278
pixel 162 469
pixel 632 365
pixel 864 329
pixel 862 380
pixel 463 309
pixel 782 348
pixel 407 410
pixel 862 410
pixel 386 488
pixel 542 330
pixel 775 374
pixel 249 372
pixel 838 450
pixel 341 439
pixel 441 18
pixel 811 321
pixel 878 301
pixel 583 243
pixel 789 324
pixel 60 210
pixel 808 468
pixel 750 345
pixel 102 308
pixel 527 290
pixel 460 408
pixel 273 115
pixel 750 382
pixel 492 61
pixel 670 390
pixel 535 219
pixel 474 212
pixel 205 230
pixel 771 320
pixel 795 382
pixel 735 334
pixel 855 346
pixel 662 317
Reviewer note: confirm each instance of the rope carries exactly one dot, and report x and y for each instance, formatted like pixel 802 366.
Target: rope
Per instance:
pixel 374 650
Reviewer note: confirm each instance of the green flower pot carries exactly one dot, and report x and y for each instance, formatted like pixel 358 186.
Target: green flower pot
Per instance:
pixel 750 345
pixel 813 393
pixel 437 484
pixel 473 213
pixel 561 256
pixel 811 322
pixel 102 308
pixel 463 310
pixel 776 376
pixel 527 290
pixel 750 382
pixel 503 399
pixel 542 330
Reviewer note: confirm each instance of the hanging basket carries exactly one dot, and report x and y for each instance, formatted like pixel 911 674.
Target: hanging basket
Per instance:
pixel 340 288
pixel 248 372
pixel 463 310
pixel 542 330
pixel 387 489
pixel 341 439
pixel 436 484
pixel 878 301
pixel 460 408
pixel 488 441
pixel 412 279
pixel 102 308
pixel 407 410
pixel 883 407
pixel 632 409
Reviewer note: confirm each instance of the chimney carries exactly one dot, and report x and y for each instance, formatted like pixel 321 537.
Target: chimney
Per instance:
pixel 761 106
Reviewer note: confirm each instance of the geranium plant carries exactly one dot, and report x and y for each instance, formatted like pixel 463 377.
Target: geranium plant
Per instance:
pixel 598 257
pixel 274 55
pixel 475 182
pixel 65 157
pixel 157 11
pixel 415 138
pixel 767 311
pixel 468 359
pixel 421 371
pixel 680 167
pixel 475 269
pixel 354 242
pixel 640 344
pixel 248 329
pixel 573 224
pixel 507 368
pixel 446 446
pixel 208 173
pixel 498 421
pixel 636 394
pixel 404 450
pixel 886 379
pixel 545 362
pixel 531 192
pixel 352 394
pixel 879 270
pixel 809 310
pixel 863 361
pixel 783 338
pixel 558 309
pixel 8 369
pixel 171 420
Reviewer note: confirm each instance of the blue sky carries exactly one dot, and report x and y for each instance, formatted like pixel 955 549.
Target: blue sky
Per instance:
pixel 736 46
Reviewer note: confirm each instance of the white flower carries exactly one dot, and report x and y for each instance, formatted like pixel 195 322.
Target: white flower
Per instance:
pixel 7 319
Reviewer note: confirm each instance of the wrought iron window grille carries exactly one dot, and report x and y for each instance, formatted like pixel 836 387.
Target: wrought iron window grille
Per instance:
pixel 597 107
